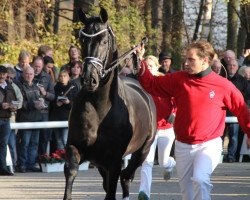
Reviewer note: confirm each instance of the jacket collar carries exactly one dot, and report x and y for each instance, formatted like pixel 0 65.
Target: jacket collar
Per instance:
pixel 204 73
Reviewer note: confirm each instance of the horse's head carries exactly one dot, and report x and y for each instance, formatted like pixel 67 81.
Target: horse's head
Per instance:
pixel 98 49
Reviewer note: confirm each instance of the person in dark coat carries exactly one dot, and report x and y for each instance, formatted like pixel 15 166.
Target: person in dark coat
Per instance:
pixel 60 107
pixel 7 95
pixel 46 86
pixel 28 139
pixel 165 59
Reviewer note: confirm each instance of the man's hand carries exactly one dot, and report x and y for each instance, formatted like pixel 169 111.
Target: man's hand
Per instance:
pixel 43 91
pixel 5 106
pixel 140 51
pixel 247 53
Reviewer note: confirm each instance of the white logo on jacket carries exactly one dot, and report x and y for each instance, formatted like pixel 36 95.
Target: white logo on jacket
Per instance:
pixel 211 94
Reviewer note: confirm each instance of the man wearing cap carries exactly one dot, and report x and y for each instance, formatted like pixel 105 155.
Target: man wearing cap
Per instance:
pixel 7 95
pixel 165 59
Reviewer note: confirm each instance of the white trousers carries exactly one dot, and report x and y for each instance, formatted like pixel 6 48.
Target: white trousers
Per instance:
pixel 164 140
pixel 194 165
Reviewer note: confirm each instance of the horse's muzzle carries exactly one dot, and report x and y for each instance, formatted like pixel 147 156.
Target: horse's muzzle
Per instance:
pixel 90 83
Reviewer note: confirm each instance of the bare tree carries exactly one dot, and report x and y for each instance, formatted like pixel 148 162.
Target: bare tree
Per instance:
pixel 56 16
pixel 207 16
pixel 245 21
pixel 167 25
pixel 198 21
pixel 156 24
pixel 232 25
pixel 21 18
pixel 147 21
pixel 177 32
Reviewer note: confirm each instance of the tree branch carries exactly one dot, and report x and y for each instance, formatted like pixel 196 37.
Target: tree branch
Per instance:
pixel 59 15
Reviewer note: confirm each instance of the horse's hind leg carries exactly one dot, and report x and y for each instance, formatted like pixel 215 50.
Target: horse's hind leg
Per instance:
pixel 104 178
pixel 70 169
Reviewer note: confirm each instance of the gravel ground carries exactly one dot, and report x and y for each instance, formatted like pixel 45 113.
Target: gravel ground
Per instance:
pixel 231 181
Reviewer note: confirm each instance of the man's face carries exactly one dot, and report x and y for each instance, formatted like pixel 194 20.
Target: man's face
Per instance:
pixel 216 67
pixel 193 63
pixel 10 77
pixel 247 73
pixel 24 62
pixel 3 77
pixel 28 75
pixel 228 56
pixel 49 53
pixel 38 66
pixel 166 63
pixel 232 67
pixel 74 54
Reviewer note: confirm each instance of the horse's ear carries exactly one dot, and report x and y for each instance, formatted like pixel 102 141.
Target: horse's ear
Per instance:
pixel 82 16
pixel 103 15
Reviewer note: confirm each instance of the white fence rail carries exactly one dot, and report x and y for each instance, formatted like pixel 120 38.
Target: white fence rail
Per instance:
pixel 39 125
pixel 63 124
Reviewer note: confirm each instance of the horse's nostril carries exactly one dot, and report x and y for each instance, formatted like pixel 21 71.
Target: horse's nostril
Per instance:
pixel 93 81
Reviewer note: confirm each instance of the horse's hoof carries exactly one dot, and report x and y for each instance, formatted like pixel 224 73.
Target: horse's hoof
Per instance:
pixel 126 198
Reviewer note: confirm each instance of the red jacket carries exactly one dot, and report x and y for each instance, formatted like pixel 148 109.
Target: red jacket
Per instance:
pixel 201 102
pixel 164 107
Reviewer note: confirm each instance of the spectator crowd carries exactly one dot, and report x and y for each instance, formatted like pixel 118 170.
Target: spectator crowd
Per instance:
pixel 35 90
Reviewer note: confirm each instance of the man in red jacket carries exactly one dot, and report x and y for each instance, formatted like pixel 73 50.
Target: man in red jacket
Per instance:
pixel 202 97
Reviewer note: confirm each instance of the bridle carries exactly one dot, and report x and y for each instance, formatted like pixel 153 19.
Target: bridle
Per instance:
pixel 96 62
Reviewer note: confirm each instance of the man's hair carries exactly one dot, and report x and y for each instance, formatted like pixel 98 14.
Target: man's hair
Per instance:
pixel 205 49
pixel 37 58
pixel 23 54
pixel 42 50
pixel 73 47
pixel 28 69
pixel 71 65
pixel 47 59
pixel 10 70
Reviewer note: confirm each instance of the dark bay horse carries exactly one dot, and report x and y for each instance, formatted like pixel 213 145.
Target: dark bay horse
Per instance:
pixel 111 116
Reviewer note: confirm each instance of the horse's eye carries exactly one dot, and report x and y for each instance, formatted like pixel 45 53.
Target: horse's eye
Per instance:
pixel 105 42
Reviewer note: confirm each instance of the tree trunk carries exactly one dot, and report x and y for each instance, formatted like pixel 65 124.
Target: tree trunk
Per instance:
pixel 56 16
pixel 207 16
pixel 48 17
pixel 11 29
pixel 232 25
pixel 21 19
pixel 198 21
pixel 241 41
pixel 147 23
pixel 167 25
pixel 245 20
pixel 156 23
pixel 177 33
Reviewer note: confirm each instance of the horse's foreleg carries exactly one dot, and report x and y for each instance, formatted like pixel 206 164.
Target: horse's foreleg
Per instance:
pixel 127 174
pixel 112 176
pixel 70 169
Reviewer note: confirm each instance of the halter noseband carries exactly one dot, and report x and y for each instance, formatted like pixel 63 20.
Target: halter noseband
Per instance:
pixel 96 62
